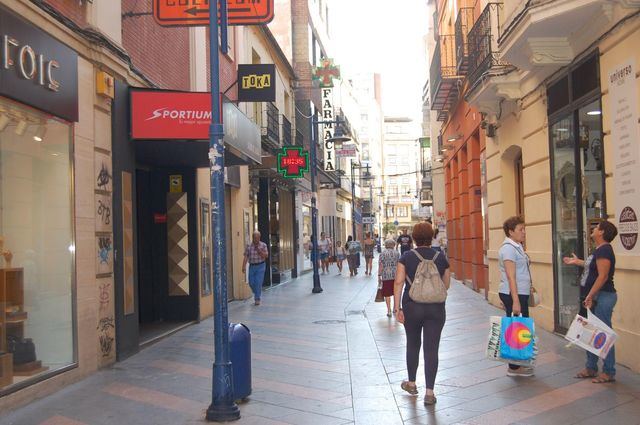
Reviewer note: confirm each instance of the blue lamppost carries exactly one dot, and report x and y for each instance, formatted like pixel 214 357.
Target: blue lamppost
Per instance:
pixel 223 407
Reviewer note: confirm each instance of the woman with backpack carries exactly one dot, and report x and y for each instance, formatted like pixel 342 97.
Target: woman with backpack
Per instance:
pixel 353 248
pixel 423 307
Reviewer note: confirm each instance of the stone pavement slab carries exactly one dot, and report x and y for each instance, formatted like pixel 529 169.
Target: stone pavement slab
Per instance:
pixel 335 358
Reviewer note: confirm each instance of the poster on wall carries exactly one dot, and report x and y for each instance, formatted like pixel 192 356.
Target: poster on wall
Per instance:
pixel 623 110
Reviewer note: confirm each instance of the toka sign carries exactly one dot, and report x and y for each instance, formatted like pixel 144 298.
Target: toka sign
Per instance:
pixel 623 108
pixel 327 132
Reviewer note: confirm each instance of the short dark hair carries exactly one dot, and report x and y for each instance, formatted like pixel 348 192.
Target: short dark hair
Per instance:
pixel 609 230
pixel 422 234
pixel 511 223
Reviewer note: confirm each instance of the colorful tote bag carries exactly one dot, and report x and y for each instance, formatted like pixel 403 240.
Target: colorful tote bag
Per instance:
pixel 517 338
pixel 493 345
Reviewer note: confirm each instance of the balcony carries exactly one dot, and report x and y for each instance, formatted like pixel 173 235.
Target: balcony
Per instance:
pixel 285 129
pixel 483 43
pixel 270 129
pixel 443 76
pixel 463 25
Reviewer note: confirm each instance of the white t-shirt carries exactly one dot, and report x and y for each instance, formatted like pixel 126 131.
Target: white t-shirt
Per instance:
pixel 513 251
pixel 323 245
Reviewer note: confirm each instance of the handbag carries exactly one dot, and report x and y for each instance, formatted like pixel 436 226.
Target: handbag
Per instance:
pixel 493 345
pixel 534 297
pixel 379 296
pixel 516 338
pixel 23 349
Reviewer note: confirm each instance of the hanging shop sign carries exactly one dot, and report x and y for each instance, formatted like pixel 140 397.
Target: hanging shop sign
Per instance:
pixel 293 162
pixel 172 115
pixel 626 152
pixel 326 72
pixel 36 69
pixel 327 132
pixel 368 220
pixel 172 13
pixel 347 151
pixel 257 83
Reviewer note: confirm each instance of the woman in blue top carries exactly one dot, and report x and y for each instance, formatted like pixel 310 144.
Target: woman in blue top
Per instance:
pixel 599 294
pixel 515 278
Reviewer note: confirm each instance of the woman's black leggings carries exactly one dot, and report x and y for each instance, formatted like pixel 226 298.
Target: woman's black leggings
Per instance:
pixel 423 321
pixel 508 307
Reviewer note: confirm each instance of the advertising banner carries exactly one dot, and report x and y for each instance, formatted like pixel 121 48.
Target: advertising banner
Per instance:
pixel 257 83
pixel 625 137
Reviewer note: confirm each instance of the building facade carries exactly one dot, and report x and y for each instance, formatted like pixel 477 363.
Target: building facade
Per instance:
pixel 555 91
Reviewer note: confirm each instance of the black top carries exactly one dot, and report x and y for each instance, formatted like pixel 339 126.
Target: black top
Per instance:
pixel 410 261
pixel 603 252
pixel 405 242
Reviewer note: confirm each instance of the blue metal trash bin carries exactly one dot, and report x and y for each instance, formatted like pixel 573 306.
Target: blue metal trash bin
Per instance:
pixel 240 353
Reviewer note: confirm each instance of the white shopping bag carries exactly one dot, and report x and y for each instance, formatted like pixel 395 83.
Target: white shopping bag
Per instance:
pixel 592 334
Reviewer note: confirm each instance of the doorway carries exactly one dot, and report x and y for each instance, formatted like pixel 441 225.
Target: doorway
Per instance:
pixel 578 199
pixel 167 250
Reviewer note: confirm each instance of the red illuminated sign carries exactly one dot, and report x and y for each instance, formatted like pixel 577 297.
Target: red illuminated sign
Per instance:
pixel 293 162
pixel 169 13
pixel 170 115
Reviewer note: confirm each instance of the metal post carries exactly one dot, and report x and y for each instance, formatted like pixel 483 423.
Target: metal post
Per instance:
pixel 223 407
pixel 314 210
pixel 353 201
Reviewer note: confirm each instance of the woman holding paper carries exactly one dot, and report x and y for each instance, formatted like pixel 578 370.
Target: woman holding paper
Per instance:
pixel 599 295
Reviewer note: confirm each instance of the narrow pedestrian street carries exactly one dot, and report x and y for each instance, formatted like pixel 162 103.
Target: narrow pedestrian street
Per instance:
pixel 335 358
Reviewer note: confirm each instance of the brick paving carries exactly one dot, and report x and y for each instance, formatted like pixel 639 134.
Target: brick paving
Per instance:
pixel 335 358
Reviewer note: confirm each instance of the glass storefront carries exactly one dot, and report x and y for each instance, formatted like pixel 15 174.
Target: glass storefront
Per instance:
pixel 578 176
pixel 306 236
pixel 36 245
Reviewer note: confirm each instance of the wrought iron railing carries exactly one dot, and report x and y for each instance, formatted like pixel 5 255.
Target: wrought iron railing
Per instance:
pixel 483 42
pixel 271 124
pixel 464 22
pixel 443 65
pixel 286 131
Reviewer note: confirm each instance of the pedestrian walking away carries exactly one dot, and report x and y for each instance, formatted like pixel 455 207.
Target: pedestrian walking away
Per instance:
pixel 369 246
pixel 388 265
pixel 421 320
pixel 324 247
pixel 256 255
pixel 340 256
pixel 405 242
pixel 515 278
pixel 598 293
pixel 353 251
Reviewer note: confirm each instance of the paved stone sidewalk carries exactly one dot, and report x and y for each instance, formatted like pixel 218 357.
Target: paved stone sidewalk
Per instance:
pixel 335 358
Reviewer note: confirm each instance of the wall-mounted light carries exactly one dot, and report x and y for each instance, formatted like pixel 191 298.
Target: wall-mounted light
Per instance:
pixel 594 112
pixel 454 138
pixel 21 128
pixel 4 121
pixel 39 136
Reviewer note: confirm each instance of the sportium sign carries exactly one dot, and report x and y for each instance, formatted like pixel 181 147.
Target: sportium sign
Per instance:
pixel 327 132
pixel 170 13
pixel 257 83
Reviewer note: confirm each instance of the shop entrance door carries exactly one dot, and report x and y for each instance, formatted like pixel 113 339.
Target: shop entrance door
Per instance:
pixel 578 199
pixel 167 250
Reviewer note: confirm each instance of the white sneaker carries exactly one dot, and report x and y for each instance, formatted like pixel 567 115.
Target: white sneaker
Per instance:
pixel 523 371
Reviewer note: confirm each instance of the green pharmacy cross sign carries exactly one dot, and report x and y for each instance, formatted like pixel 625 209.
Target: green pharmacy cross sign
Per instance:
pixel 293 162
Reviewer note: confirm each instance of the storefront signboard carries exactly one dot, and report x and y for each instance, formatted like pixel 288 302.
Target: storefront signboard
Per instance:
pixel 625 134
pixel 172 13
pixel 327 133
pixel 173 115
pixel 293 162
pixel 36 69
pixel 257 83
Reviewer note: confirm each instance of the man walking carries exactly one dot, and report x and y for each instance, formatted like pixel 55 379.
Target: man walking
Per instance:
pixel 256 255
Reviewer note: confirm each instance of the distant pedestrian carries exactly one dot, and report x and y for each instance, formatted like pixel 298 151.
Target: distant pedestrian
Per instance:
pixel 369 246
pixel 256 254
pixel 515 278
pixel 340 256
pixel 353 252
pixel 405 242
pixel 324 247
pixel 388 265
pixel 598 293
pixel 420 318
pixel 435 244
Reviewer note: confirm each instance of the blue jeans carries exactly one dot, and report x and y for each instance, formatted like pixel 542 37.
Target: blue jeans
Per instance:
pixel 605 301
pixel 256 277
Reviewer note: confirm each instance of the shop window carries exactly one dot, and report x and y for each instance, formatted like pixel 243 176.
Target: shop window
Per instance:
pixel 36 245
pixel 558 95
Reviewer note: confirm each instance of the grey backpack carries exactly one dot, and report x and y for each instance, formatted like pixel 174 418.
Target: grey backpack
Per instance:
pixel 427 286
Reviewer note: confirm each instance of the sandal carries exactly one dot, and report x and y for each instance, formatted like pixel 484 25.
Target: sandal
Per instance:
pixel 430 400
pixel 603 378
pixel 586 373
pixel 410 388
